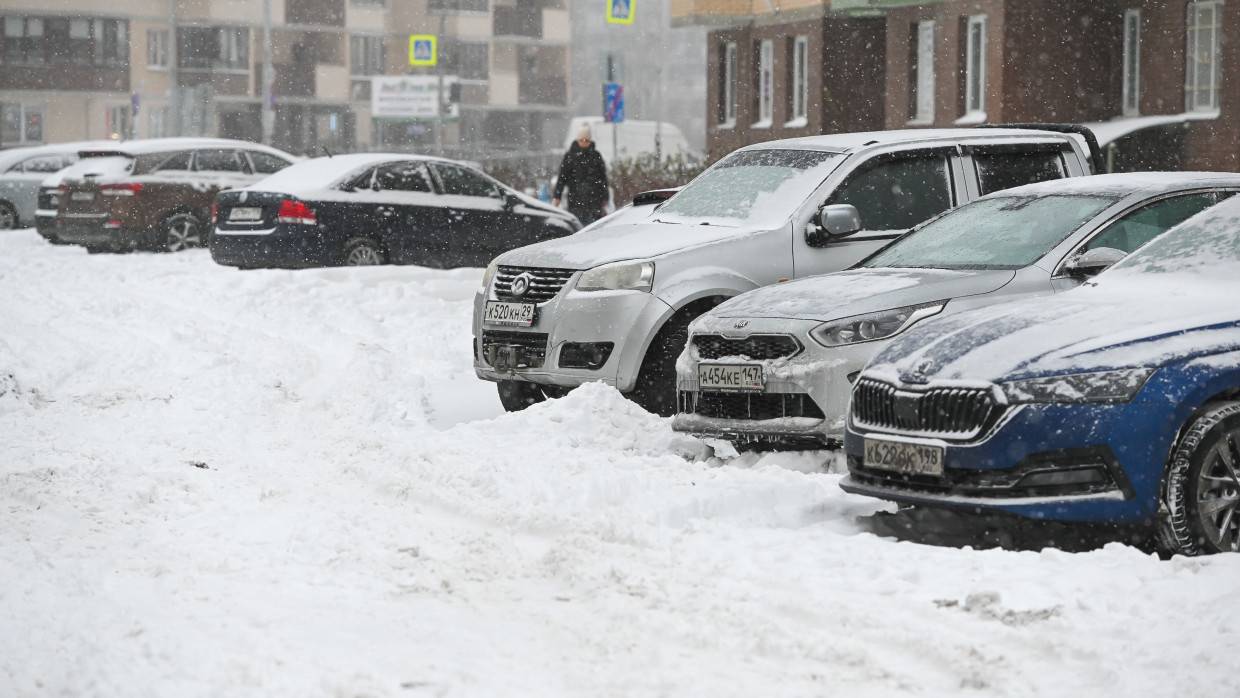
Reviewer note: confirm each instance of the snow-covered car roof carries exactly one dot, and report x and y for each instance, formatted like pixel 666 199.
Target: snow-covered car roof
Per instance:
pixel 325 172
pixel 143 146
pixel 14 155
pixel 844 142
pixel 1123 184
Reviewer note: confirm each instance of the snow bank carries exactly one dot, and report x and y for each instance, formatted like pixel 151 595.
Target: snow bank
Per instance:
pixel 216 482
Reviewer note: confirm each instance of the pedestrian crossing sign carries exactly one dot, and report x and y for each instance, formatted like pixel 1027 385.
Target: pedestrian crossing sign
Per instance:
pixel 621 11
pixel 423 49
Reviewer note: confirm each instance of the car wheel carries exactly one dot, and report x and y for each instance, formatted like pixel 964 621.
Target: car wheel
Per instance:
pixel 1200 512
pixel 656 382
pixel 518 395
pixel 183 231
pixel 8 216
pixel 363 252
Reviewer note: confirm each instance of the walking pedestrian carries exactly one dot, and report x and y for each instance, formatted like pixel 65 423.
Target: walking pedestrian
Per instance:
pixel 584 174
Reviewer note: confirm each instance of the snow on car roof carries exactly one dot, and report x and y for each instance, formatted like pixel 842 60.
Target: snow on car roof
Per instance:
pixel 14 155
pixel 323 172
pixel 1124 184
pixel 158 145
pixel 850 141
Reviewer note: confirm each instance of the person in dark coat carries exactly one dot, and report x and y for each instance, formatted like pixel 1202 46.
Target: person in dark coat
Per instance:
pixel 584 174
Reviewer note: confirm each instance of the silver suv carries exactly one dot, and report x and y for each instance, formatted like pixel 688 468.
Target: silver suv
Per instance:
pixel 613 303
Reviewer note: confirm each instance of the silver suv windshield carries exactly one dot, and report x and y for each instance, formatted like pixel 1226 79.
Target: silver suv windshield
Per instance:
pixel 752 188
pixel 1004 232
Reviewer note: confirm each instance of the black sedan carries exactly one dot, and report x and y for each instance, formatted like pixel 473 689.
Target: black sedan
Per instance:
pixel 373 208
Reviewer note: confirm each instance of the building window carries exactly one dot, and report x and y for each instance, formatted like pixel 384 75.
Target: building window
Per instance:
pixel 366 55
pixel 975 67
pixel 727 85
pixel 157 122
pixel 157 48
pixel 921 74
pixel 798 82
pixel 20 123
pixel 81 47
pixel 23 40
pixel 1202 71
pixel 764 88
pixel 111 42
pixel 1132 62
pixel 116 123
pixel 468 60
pixel 213 47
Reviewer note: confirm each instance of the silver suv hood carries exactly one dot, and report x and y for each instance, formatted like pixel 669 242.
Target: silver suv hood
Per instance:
pixel 613 243
pixel 859 291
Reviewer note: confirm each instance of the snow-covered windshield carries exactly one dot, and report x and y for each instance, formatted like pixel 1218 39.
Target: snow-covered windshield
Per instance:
pixel 1205 247
pixel 759 188
pixel 1005 232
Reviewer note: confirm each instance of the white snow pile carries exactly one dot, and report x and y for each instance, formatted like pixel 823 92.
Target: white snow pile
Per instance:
pixel 278 483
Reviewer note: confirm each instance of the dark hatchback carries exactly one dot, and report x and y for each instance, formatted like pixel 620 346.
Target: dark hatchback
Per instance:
pixel 366 209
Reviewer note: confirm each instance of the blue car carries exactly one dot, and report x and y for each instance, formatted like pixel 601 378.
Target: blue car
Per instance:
pixel 1117 402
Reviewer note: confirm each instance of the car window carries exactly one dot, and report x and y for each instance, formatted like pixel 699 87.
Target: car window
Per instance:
pixel 403 176
pixel 997 171
pixel 41 163
pixel 219 160
pixel 266 163
pixel 461 182
pixel 1148 222
pixel 165 162
pixel 1000 232
pixel 897 194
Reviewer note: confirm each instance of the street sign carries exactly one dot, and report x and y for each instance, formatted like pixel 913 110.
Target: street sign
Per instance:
pixel 423 49
pixel 621 11
pixel 613 102
pixel 409 96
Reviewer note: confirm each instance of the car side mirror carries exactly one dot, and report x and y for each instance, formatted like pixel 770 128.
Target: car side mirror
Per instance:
pixel 510 201
pixel 1091 262
pixel 832 222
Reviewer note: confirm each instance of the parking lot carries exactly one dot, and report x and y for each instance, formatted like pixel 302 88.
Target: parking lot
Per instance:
pixel 216 482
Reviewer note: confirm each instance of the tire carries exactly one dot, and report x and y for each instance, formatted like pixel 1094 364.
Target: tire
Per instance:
pixel 8 216
pixel 182 231
pixel 1200 512
pixel 518 395
pixel 656 382
pixel 362 252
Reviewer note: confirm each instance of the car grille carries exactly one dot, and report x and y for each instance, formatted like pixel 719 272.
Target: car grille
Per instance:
pixel 955 412
pixel 544 285
pixel 759 347
pixel 531 346
pixel 756 406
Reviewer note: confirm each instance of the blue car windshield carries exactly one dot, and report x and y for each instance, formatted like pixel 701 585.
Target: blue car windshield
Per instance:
pixel 1000 232
pixel 752 188
pixel 1205 246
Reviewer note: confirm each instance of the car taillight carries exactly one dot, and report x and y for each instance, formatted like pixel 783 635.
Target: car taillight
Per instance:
pixel 215 213
pixel 296 213
pixel 123 189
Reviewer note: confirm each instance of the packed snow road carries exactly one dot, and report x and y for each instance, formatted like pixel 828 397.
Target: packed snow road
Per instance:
pixel 216 482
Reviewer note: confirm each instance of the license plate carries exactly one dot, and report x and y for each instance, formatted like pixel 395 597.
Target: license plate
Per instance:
pixel 731 377
pixel 903 457
pixel 82 196
pixel 510 314
pixel 248 214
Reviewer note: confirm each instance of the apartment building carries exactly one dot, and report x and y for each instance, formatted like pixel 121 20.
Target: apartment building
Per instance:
pixel 74 69
pixel 1157 79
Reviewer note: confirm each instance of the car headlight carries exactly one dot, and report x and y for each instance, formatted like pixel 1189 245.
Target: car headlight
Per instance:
pixel 1097 386
pixel 622 276
pixel 489 275
pixel 867 328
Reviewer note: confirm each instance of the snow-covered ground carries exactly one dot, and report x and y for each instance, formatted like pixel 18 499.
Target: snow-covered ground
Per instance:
pixel 223 483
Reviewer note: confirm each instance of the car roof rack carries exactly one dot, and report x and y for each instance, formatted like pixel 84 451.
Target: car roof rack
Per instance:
pixel 1095 151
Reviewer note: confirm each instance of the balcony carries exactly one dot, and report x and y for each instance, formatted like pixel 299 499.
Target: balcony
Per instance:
pixel 523 21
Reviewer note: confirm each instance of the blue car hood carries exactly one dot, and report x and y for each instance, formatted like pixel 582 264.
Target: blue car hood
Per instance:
pixel 1134 323
pixel 859 291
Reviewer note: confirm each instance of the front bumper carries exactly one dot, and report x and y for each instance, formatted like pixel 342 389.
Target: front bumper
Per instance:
pixel 1057 462
pixel 628 320
pixel 91 231
pixel 819 373
pixel 283 247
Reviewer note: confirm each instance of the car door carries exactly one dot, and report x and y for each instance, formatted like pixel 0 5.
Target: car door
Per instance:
pixel 20 185
pixel 892 192
pixel 410 214
pixel 1135 227
pixel 481 221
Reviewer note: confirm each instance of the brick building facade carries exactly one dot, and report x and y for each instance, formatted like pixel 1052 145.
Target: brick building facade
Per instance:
pixel 1158 79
